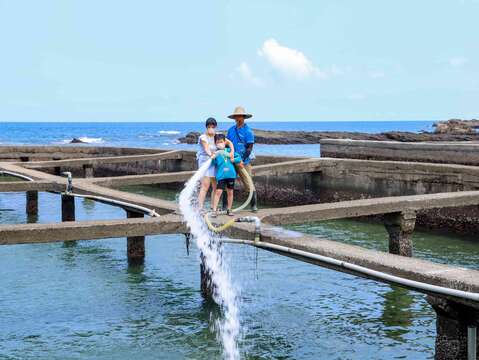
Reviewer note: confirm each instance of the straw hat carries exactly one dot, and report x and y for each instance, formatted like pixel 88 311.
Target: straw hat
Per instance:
pixel 239 110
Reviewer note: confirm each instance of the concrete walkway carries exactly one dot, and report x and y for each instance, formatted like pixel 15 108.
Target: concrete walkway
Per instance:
pixel 410 268
pixel 455 314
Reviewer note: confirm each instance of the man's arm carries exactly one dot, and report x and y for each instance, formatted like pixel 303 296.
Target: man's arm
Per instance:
pixel 229 135
pixel 237 158
pixel 249 139
pixel 249 149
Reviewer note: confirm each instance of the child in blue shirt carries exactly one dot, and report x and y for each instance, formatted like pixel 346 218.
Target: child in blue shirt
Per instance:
pixel 225 172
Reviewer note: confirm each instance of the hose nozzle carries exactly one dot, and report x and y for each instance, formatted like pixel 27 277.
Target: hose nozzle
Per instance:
pixel 257 225
pixel 69 187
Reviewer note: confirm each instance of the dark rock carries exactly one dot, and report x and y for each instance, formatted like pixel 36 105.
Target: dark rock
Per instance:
pixel 190 138
pixel 77 141
pixel 313 137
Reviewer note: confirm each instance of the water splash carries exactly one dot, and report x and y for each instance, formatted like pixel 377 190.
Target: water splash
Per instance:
pixel 224 293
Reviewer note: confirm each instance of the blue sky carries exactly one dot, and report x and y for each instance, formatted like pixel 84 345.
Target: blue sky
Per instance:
pixel 283 60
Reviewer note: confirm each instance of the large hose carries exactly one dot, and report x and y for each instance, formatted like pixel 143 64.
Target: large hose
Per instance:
pixel 229 223
pixel 250 186
pixel 220 228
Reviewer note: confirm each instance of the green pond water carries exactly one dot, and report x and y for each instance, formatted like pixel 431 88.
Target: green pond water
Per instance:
pixel 6 178
pixel 83 301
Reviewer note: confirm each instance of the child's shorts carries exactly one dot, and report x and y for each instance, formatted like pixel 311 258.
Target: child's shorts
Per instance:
pixel 226 184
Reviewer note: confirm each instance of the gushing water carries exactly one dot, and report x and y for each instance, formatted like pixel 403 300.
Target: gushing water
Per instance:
pixel 224 294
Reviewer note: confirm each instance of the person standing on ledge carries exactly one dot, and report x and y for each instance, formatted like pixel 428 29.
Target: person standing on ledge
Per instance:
pixel 242 138
pixel 206 151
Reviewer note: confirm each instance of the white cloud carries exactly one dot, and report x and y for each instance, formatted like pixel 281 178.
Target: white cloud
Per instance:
pixel 246 74
pixel 457 61
pixel 289 61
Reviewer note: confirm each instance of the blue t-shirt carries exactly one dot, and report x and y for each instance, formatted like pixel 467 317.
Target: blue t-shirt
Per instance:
pixel 241 138
pixel 224 167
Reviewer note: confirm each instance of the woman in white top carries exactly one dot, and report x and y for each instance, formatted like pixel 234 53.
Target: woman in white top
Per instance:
pixel 206 151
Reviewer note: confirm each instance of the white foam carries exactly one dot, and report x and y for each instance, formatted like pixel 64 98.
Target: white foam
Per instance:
pixel 88 140
pixel 169 132
pixel 84 139
pixel 224 292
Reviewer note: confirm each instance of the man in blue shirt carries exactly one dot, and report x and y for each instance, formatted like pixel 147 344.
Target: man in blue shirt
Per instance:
pixel 242 137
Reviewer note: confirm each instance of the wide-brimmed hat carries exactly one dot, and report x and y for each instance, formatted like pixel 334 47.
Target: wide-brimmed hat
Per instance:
pixel 239 110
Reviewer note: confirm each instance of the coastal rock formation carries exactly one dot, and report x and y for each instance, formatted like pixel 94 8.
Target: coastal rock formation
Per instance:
pixel 313 137
pixel 190 138
pixel 456 126
pixel 77 141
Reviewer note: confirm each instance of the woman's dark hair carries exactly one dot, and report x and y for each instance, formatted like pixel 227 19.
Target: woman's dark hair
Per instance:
pixel 211 122
pixel 219 137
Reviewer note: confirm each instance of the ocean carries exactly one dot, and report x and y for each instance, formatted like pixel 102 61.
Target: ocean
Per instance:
pixel 165 134
pixel 83 301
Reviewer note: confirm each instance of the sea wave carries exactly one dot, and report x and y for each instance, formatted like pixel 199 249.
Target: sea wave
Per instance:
pixel 169 132
pixel 91 140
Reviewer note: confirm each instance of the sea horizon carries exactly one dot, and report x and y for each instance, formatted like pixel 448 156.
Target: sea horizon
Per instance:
pixel 166 135
pixel 202 120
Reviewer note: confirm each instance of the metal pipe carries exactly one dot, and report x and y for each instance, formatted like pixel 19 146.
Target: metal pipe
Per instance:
pixel 143 209
pixel 14 174
pixel 363 270
pixel 69 191
pixel 471 342
pixel 237 241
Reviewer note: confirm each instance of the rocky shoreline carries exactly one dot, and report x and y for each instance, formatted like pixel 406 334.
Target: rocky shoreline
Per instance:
pixel 451 130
